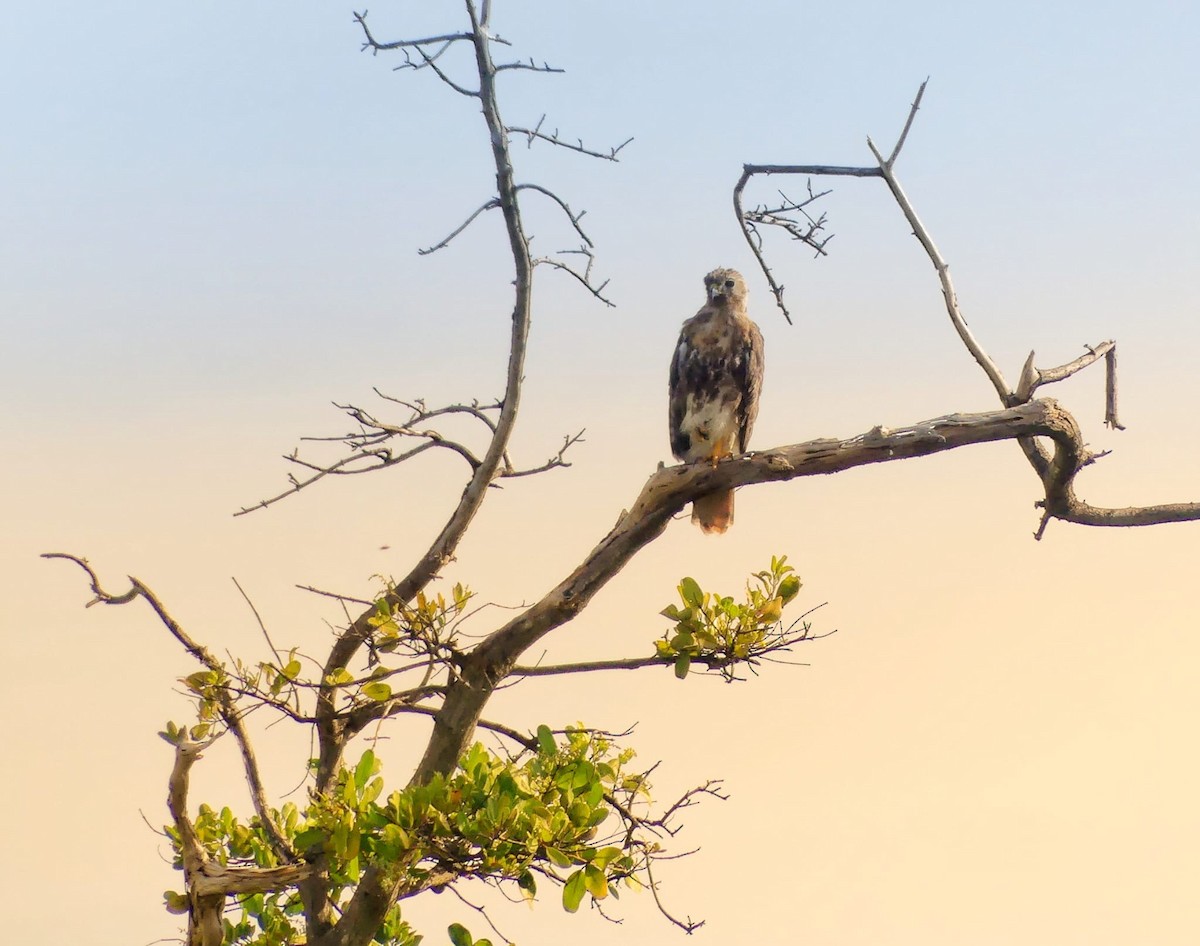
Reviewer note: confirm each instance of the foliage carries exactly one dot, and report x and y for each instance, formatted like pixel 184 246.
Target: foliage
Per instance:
pixel 718 632
pixel 561 811
pixel 565 809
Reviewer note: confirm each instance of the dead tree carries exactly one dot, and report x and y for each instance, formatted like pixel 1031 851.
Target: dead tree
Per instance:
pixel 1060 500
pixel 563 807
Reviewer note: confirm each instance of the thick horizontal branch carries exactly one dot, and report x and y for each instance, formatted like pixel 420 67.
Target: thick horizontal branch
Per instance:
pixel 216 879
pixel 820 170
pixel 669 490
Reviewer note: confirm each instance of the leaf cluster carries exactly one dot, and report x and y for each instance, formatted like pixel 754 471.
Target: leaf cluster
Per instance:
pixel 719 632
pixel 545 814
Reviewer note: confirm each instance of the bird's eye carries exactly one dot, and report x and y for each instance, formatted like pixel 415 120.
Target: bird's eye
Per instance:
pixel 728 283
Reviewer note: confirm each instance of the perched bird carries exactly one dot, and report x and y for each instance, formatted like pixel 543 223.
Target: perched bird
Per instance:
pixel 716 377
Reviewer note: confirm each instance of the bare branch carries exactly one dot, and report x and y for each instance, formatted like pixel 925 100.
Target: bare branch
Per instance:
pixel 431 62
pixel 584 278
pixel 776 217
pixel 530 66
pixel 101 596
pixel 378 888
pixel 340 597
pixel 480 910
pixel 1110 390
pixel 368 445
pixel 258 618
pixel 375 46
pixel 573 217
pixel 536 133
pixel 590 666
pixel 689 925
pixel 912 113
pixel 1051 375
pixel 671 488
pixel 943 273
pixel 204 912
pixel 228 709
pixel 445 241
pixel 556 461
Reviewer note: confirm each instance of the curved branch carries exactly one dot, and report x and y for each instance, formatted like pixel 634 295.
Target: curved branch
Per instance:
pixel 445 241
pixel 573 217
pixel 204 911
pixel 554 462
pixel 227 706
pixel 943 273
pixel 670 489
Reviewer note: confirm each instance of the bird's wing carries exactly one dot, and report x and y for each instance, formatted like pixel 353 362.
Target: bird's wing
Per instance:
pixel 677 386
pixel 748 374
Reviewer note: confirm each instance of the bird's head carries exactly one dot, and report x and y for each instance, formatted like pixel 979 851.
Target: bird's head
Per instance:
pixel 725 286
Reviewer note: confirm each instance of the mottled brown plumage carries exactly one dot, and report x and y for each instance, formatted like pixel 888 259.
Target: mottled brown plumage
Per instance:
pixel 716 377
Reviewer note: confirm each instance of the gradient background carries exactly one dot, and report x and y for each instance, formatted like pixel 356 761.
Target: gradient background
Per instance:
pixel 208 233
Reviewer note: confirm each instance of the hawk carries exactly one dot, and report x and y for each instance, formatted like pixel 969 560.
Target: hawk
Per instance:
pixel 716 377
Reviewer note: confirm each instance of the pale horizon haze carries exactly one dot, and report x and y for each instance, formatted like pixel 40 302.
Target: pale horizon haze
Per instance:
pixel 210 220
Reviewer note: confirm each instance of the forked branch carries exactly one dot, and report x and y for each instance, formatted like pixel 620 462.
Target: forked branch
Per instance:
pixel 668 491
pixel 230 714
pixel 1060 504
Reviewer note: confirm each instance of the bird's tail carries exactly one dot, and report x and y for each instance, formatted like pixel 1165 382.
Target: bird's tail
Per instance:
pixel 714 512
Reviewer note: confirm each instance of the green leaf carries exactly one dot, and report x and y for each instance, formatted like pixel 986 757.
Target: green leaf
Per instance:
pixel 292 670
pixel 364 770
pixel 379 692
pixel 308 837
pixel 595 882
pixel 606 855
pixel 789 588
pixel 528 885
pixel 199 680
pixel 573 892
pixel 771 612
pixel 175 902
pixel 459 935
pixel 546 744
pixel 682 662
pixel 372 791
pixel 579 812
pixel 690 592
pixel 558 858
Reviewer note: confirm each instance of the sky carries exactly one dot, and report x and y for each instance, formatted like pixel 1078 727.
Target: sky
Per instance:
pixel 209 234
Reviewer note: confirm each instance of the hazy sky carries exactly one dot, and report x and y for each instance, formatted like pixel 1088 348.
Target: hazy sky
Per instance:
pixel 208 233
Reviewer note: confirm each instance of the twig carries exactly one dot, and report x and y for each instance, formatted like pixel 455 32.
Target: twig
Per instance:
pixel 258 618
pixel 228 709
pixel 536 133
pixel 1110 390
pixel 912 113
pixel 445 241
